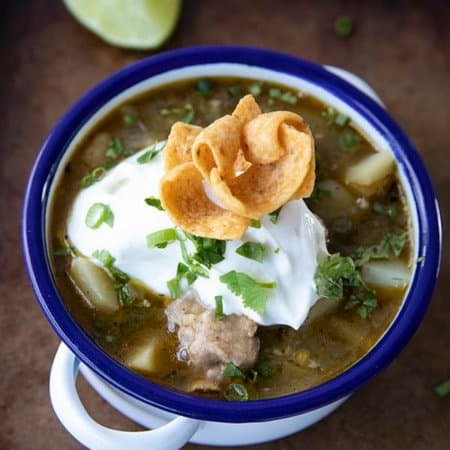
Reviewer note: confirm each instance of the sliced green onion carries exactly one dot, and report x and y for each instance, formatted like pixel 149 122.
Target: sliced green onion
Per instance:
pixel 349 141
pixel 236 392
pixel 219 307
pixel 255 88
pixel 97 214
pixel 274 93
pixel 161 238
pixel 129 119
pixel 341 119
pixel 288 97
pixel 174 287
pixel 255 223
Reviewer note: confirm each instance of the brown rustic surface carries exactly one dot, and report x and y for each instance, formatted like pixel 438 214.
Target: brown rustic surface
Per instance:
pixel 48 60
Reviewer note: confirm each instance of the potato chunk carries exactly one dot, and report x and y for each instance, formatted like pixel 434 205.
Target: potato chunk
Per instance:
pixel 393 273
pixel 372 174
pixel 94 284
pixel 147 356
pixel 337 201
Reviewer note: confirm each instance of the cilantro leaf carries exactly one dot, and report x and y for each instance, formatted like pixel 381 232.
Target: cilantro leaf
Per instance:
pixel 254 295
pixel 155 202
pixel 274 215
pixel 392 243
pixel 338 277
pixel 252 250
pixel 208 251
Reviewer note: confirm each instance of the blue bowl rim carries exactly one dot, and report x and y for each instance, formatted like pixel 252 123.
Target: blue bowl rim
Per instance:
pixel 404 326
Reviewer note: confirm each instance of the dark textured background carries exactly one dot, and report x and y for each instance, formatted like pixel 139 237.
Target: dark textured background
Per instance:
pixel 48 60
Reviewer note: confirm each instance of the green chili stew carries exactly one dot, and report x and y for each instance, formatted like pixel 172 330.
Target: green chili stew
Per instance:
pixel 362 283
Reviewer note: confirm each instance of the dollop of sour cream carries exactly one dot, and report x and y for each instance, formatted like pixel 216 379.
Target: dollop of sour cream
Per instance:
pixel 294 245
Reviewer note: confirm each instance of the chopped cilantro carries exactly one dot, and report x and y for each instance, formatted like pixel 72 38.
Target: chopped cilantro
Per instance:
pixel 252 250
pixel 156 148
pixel 263 370
pixel 98 214
pixel 219 307
pixel 236 392
pixel 253 293
pixel 274 215
pixel 443 389
pixel 343 26
pixel 338 274
pixel 349 141
pixel 204 86
pixel 155 202
pixel 392 243
pixel 208 251
pixel 255 223
pixel 161 238
pixel 230 370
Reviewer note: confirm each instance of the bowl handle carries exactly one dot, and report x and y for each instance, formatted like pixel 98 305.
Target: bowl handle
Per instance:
pixel 358 82
pixel 72 414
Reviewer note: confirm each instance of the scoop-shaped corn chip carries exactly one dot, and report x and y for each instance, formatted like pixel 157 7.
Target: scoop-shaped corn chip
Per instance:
pixel 240 163
pixel 306 188
pixel 183 197
pixel 262 135
pixel 217 146
pixel 247 109
pixel 179 144
pixel 253 163
pixel 263 188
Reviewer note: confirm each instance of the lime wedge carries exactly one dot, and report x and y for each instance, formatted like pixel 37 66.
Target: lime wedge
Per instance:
pixel 140 24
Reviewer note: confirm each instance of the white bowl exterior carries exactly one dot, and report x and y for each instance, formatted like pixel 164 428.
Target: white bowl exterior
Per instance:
pixel 209 433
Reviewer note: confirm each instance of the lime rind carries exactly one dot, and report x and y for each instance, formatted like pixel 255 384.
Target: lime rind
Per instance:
pixel 137 24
